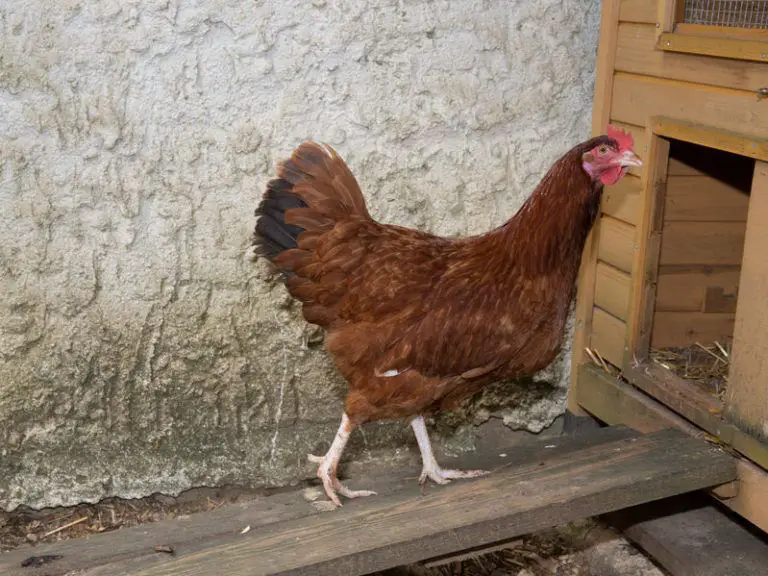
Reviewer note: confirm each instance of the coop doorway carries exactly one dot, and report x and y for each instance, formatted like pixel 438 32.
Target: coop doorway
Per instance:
pixel 698 321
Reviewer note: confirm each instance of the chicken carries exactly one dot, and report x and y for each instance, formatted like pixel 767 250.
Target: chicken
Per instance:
pixel 416 323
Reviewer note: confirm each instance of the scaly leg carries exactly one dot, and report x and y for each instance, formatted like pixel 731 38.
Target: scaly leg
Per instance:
pixel 330 462
pixel 430 468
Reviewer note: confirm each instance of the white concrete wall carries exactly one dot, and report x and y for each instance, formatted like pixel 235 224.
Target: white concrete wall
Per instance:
pixel 140 349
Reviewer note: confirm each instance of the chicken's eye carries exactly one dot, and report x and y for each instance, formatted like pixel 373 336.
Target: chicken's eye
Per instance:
pixel 602 149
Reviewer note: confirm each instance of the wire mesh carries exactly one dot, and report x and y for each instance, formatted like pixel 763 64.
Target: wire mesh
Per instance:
pixel 730 13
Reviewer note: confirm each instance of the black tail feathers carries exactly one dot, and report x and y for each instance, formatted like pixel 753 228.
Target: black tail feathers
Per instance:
pixel 272 234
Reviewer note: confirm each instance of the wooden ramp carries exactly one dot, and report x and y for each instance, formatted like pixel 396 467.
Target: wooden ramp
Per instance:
pixel 543 484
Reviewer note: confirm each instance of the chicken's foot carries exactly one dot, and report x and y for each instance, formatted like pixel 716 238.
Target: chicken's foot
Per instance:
pixel 329 463
pixel 430 468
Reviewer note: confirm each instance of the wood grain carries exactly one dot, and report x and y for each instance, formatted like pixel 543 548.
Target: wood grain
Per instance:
pixel 636 53
pixel 646 257
pixel 697 289
pixel 622 201
pixel 673 329
pixel 691 536
pixel 702 243
pixel 612 288
pixel 608 337
pixel 704 199
pixel 720 46
pixel 637 98
pixel 747 390
pixel 510 502
pixel 638 11
pixel 618 403
pixel 616 243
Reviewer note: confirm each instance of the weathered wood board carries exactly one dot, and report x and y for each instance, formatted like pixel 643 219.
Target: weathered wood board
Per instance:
pixel 691 536
pixel 556 481
pixel 748 399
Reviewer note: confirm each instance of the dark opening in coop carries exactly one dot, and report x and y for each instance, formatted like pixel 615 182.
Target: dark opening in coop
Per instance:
pixel 702 242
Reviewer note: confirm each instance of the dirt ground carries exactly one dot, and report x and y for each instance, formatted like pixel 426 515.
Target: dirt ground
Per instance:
pixel 586 548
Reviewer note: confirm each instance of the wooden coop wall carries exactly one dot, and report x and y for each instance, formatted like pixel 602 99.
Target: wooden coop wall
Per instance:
pixel 664 82
pixel 636 82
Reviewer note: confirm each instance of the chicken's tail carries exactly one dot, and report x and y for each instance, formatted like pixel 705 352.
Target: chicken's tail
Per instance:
pixel 314 190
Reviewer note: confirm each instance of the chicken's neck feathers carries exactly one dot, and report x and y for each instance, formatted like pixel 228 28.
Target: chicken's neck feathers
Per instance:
pixel 549 231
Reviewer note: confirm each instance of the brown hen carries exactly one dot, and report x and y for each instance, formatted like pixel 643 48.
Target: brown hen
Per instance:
pixel 415 322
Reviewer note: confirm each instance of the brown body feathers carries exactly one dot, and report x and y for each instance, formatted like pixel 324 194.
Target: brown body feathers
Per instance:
pixel 416 323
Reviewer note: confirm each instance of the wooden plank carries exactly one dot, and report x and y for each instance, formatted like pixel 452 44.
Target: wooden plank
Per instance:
pixel 690 536
pixel 636 53
pixel 606 56
pixel 666 10
pixel 672 329
pixel 702 243
pixel 360 540
pixel 608 336
pixel 616 243
pixel 646 258
pixel 704 199
pixel 617 403
pixel 638 11
pixel 135 545
pixel 727 139
pixel 601 106
pixel 747 390
pixel 721 31
pixel 697 289
pixel 637 98
pixel 720 47
pixel 622 201
pixel 696 405
pixel 612 290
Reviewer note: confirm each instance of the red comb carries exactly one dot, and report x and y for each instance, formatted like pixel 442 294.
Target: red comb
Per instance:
pixel 624 139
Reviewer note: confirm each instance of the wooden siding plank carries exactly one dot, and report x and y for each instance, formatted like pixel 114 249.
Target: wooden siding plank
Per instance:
pixel 612 290
pixel 608 336
pixel 698 198
pixel 622 200
pixel 725 139
pixel 747 390
pixel 616 243
pixel 638 11
pixel 702 243
pixel 637 98
pixel 717 46
pixel 697 289
pixel 681 329
pixel 646 257
pixel 636 53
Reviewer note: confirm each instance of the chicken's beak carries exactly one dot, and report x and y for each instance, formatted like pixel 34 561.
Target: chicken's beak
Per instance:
pixel 629 158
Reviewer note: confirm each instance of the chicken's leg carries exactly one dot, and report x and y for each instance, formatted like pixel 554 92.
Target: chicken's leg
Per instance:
pixel 430 468
pixel 330 462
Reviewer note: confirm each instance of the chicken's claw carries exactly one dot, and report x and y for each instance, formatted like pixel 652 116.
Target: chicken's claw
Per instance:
pixel 332 484
pixel 444 476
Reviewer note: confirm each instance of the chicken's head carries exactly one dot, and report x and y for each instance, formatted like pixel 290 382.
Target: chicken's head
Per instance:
pixel 609 161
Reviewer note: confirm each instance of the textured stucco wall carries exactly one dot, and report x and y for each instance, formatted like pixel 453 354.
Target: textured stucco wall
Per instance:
pixel 140 348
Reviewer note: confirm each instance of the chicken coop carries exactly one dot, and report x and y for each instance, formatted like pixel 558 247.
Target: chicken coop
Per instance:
pixel 672 311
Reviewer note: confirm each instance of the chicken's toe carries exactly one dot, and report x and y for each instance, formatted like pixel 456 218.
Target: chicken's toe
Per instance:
pixel 444 476
pixel 349 493
pixel 464 473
